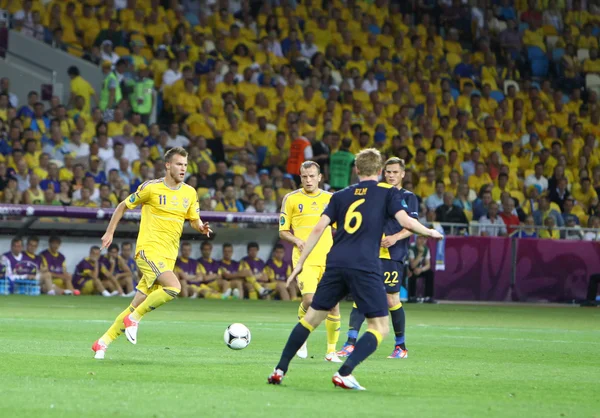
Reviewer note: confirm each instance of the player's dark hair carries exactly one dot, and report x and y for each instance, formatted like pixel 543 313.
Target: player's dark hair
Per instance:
pixel 227 245
pixel 205 244
pixel 368 162
pixel 395 160
pixel 502 175
pixel 15 240
pixel 33 238
pixel 54 238
pixel 252 245
pixel 175 151
pixel 279 247
pixel 126 244
pixel 308 164
pixel 113 247
pixel 186 244
pixel 94 247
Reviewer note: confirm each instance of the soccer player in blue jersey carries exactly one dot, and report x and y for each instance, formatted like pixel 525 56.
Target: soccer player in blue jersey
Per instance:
pixel 353 264
pixel 394 248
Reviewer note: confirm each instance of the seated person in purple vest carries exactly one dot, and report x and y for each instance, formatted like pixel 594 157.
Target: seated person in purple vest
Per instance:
pixel 231 271
pixel 11 260
pixel 278 270
pixel 56 263
pixel 42 273
pixel 118 268
pixel 107 274
pixel 257 283
pixel 87 276
pixel 189 273
pixel 127 254
pixel 210 270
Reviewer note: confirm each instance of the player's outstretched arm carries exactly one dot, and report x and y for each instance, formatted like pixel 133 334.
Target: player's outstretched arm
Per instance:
pixel 416 226
pixel 311 241
pixel 112 226
pixel 201 227
pixel 392 239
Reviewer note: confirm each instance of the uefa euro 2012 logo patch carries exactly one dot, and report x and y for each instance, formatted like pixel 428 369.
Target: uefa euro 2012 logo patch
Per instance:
pixel 133 197
pixel 281 220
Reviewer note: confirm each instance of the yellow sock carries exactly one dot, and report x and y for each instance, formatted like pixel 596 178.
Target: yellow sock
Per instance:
pixel 301 311
pixel 116 328
pixel 332 325
pixel 377 335
pixel 252 295
pixel 154 300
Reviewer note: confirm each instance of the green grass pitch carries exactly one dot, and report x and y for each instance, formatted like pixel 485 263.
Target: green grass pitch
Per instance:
pixel 465 361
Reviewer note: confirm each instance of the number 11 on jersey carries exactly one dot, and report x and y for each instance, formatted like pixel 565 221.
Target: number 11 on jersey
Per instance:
pixel 162 199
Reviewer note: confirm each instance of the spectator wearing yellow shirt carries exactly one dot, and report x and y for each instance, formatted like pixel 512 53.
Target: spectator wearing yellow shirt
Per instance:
pixel 235 139
pixel 592 64
pixel 117 125
pixel 549 231
pixel 81 87
pixel 584 192
pixel 188 101
pixel 587 40
pixel 480 178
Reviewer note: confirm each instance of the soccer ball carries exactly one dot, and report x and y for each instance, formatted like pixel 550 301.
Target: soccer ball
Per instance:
pixel 237 336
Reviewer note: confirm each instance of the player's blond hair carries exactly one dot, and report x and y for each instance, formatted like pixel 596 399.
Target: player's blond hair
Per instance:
pixel 368 162
pixel 175 151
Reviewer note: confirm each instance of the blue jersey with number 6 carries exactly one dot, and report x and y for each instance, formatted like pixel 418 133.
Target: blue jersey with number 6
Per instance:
pixel 361 211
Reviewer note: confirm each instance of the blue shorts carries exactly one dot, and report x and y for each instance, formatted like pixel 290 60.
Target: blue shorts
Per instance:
pixel 393 273
pixel 366 288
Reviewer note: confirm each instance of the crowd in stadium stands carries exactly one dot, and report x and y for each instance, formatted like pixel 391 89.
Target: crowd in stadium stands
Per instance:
pixel 493 104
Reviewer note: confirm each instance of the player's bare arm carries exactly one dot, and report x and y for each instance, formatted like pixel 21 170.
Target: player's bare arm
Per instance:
pixel 392 239
pixel 199 226
pixel 312 240
pixel 289 237
pixel 107 238
pixel 416 226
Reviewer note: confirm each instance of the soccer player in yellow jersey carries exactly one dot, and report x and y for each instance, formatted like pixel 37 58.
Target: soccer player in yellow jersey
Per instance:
pixel 300 212
pixel 166 204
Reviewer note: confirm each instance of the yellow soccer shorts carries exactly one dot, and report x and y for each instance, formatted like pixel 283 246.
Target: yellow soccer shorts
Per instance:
pixel 310 278
pixel 214 285
pixel 151 266
pixel 58 282
pixel 88 288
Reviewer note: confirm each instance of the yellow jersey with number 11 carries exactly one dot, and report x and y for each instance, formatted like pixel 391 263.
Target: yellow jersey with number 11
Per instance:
pixel 300 212
pixel 164 211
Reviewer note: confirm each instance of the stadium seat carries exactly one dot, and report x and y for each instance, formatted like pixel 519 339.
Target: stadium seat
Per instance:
pixel 508 83
pixel 583 54
pixel 592 82
pixel 497 95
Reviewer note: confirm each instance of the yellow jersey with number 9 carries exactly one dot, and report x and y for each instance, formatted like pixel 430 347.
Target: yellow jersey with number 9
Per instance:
pixel 300 212
pixel 164 211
